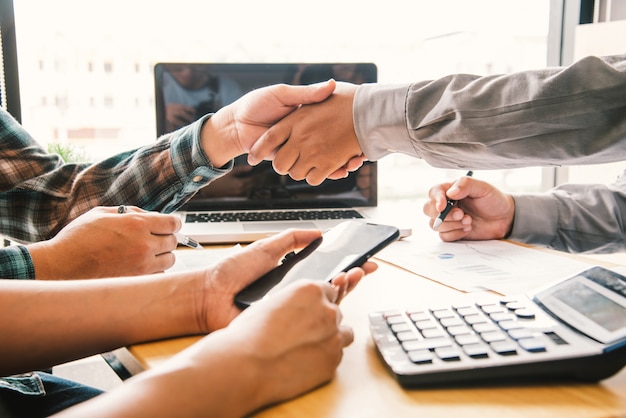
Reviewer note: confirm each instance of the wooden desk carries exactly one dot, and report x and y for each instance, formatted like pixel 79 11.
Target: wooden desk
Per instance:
pixel 363 387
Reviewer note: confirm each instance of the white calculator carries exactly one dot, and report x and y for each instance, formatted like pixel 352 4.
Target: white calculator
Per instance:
pixel 574 330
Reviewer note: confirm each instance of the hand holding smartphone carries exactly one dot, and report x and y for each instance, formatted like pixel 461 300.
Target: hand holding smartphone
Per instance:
pixel 348 245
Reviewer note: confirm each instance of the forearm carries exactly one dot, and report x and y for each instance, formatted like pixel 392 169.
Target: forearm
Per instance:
pixel 52 322
pixel 549 117
pixel 573 218
pixel 211 378
pixel 161 177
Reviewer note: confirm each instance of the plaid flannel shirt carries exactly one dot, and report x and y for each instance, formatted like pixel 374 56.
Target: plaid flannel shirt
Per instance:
pixel 40 193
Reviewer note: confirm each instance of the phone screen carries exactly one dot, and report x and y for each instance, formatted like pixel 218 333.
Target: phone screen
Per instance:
pixel 341 248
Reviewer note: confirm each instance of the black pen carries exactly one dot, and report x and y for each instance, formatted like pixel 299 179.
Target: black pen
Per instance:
pixel 449 205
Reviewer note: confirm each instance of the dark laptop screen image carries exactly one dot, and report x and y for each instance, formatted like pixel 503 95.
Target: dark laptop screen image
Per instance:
pixel 185 92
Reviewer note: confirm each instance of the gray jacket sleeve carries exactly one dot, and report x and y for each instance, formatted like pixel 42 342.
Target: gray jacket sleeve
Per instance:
pixel 574 217
pixel 550 117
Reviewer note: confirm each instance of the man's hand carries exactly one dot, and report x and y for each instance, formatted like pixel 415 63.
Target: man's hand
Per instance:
pixel 315 142
pixel 231 275
pixel 105 243
pixel 483 212
pixel 235 128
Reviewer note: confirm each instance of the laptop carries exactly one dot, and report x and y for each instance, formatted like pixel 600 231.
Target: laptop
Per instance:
pixel 254 202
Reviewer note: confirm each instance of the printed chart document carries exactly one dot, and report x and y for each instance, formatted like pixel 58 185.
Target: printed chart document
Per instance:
pixel 473 266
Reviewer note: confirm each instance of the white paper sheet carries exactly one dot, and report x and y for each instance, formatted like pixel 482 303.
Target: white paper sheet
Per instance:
pixel 471 266
pixel 189 259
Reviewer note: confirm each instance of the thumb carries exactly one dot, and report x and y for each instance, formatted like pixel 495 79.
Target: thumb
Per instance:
pixel 312 93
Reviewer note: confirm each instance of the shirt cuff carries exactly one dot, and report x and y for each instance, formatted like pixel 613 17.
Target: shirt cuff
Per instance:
pixel 379 117
pixel 191 164
pixel 536 219
pixel 16 263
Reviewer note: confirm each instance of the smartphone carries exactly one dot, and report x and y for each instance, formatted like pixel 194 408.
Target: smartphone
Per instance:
pixel 340 248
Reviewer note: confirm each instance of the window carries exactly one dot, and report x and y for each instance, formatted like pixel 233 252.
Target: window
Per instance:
pixel 102 79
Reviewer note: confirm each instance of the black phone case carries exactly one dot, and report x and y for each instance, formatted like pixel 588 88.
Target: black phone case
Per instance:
pixel 347 245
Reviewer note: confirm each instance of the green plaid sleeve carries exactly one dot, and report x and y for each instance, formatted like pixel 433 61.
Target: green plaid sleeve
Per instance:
pixel 15 263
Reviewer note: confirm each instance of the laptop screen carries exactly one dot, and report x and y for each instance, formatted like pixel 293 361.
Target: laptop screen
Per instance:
pixel 186 91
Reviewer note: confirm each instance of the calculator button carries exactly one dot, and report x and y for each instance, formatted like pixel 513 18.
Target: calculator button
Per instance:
pixel 533 345
pixel 474 319
pixel 491 309
pixel 420 356
pixel 426 344
pixel 407 336
pixel 512 306
pixel 467 339
pixel 510 324
pixel 451 322
pixel 493 336
pixel 518 334
pixel 401 327
pixel 448 353
pixel 509 299
pixel 525 313
pixel 467 310
pixel 485 327
pixel 476 350
pixel 419 316
pixel 504 347
pixel 459 330
pixel 443 313
pixel 433 333
pixel 422 325
pixel 395 319
pixel 502 316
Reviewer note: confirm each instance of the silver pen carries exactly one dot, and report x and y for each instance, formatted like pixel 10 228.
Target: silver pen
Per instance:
pixel 449 205
pixel 189 242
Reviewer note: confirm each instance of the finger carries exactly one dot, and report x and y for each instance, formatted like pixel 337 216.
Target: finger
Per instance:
pixel 355 163
pixel 369 267
pixel 342 173
pixel 264 254
pixel 161 223
pixel 464 187
pixel 134 209
pixel 164 243
pixel 454 235
pixel 312 93
pixel 437 194
pixel 430 210
pixel 352 165
pixel 268 144
pixel 346 335
pixel 455 230
pixel 332 292
pixel 121 209
pixel 285 160
pixel 316 176
pixel 164 261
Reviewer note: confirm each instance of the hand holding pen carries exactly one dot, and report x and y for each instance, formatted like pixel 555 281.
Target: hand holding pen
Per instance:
pixel 475 210
pixel 449 205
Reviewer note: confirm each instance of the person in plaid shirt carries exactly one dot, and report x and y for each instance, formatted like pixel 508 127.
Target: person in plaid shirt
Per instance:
pixel 42 198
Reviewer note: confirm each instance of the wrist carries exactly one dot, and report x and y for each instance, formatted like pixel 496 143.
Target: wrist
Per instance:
pixel 43 263
pixel 216 138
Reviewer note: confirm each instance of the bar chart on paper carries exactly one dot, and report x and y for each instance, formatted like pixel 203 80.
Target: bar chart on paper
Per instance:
pixel 473 266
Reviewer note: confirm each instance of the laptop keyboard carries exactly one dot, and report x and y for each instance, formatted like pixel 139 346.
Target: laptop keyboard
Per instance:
pixel 267 215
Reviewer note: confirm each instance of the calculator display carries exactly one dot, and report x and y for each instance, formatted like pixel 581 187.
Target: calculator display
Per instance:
pixel 593 302
pixel 598 308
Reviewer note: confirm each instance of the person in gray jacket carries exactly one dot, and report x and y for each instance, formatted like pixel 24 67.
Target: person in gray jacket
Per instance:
pixel 571 217
pixel 548 117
